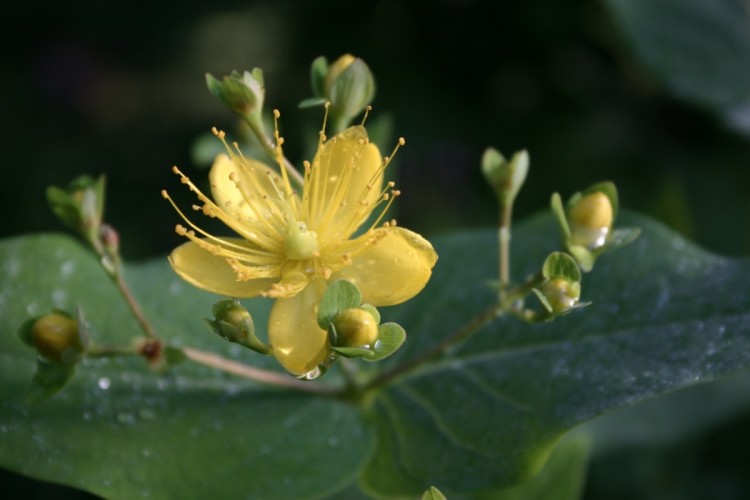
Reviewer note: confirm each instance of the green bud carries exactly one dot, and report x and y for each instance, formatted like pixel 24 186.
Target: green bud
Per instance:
pixel 506 178
pixel 242 93
pixel 561 289
pixel 560 294
pixel 80 206
pixel 355 328
pixel 56 337
pixel 234 323
pixel 349 86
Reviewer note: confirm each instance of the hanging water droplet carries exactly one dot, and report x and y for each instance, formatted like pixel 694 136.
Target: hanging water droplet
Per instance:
pixel 103 383
pixel 312 374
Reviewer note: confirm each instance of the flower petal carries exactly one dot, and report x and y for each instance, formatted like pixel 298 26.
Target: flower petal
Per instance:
pixel 392 270
pixel 225 192
pixel 298 343
pixel 347 178
pixel 205 270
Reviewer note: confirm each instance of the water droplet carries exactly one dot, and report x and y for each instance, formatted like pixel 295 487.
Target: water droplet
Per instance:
pixel 397 260
pixel 126 418
pixel 103 383
pixel 175 288
pixel 333 178
pixel 59 297
pixel 146 414
pixel 162 384
pixel 265 450
pixel 32 309
pixel 67 268
pixel 333 441
pixel 146 453
pixel 88 416
pixel 312 374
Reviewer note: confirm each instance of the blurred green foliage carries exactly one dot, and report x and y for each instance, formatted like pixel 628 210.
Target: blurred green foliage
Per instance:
pixel 118 88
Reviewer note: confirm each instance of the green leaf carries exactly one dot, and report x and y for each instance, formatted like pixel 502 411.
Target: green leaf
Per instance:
pixel 561 265
pixel 49 379
pixel 339 295
pixel 562 477
pixel 121 431
pixel 665 315
pixel 699 49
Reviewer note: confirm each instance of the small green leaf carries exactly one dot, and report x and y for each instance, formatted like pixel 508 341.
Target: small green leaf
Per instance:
pixel 558 211
pixel 318 71
pixel 312 102
pixel 561 265
pixel 49 379
pixel 339 295
pixel 390 337
pixel 433 493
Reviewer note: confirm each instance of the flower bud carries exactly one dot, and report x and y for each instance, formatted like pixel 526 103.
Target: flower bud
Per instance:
pixel 242 93
pixel 56 338
pixel 350 86
pixel 80 206
pixel 506 178
pixel 561 294
pixel 355 328
pixel 590 220
pixel 234 323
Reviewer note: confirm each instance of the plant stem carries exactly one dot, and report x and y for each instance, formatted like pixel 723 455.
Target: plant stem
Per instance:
pixel 458 336
pixel 257 374
pixel 134 307
pixel 503 234
pixel 256 125
pixel 475 324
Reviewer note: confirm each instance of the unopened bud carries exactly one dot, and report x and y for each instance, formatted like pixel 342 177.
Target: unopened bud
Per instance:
pixel 355 328
pixel 590 220
pixel 505 177
pixel 561 294
pixel 350 86
pixel 56 338
pixel 242 93
pixel 234 323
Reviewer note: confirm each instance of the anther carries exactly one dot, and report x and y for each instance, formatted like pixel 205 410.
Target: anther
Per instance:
pixel 401 141
pixel 276 114
pixel 164 194
pixel 180 229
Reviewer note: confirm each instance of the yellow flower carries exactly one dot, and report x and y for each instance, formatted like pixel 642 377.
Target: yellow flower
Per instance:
pixel 292 243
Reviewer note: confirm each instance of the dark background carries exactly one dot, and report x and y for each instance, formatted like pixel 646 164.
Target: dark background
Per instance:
pixel 118 88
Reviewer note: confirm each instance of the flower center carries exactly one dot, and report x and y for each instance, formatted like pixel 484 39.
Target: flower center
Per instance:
pixel 301 244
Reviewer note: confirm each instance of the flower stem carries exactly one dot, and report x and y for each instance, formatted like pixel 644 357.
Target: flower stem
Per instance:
pixel 257 374
pixel 134 307
pixel 474 325
pixel 256 125
pixel 503 234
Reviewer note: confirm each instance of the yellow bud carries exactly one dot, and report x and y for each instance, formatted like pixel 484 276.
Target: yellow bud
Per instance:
pixel 561 294
pixel 355 328
pixel 56 338
pixel 590 220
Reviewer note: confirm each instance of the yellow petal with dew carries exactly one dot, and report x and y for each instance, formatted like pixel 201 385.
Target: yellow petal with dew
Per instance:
pixel 213 273
pixel 393 269
pixel 225 192
pixel 346 181
pixel 297 342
